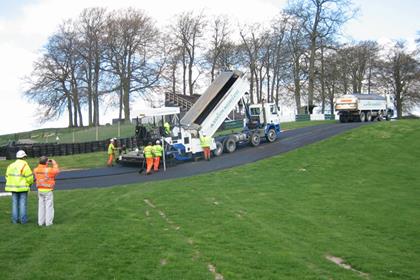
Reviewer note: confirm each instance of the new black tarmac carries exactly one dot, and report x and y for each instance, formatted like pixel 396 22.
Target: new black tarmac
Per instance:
pixel 121 175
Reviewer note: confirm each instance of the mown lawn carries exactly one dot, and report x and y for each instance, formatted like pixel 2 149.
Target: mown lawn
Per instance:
pixel 72 135
pixel 98 159
pixel 354 196
pixel 86 134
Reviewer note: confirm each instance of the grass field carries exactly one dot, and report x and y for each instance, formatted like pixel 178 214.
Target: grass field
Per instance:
pixel 98 159
pixel 86 134
pixel 354 197
pixel 70 135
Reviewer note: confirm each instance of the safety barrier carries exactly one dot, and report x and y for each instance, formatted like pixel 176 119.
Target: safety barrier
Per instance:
pixel 37 150
pixel 304 117
pixel 329 117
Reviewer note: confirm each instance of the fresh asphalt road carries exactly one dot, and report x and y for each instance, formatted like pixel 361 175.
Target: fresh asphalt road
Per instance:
pixel 119 175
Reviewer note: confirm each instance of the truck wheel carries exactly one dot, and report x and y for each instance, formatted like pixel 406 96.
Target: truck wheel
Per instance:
pixel 362 117
pixel 219 149
pixel 254 139
pixel 368 116
pixel 230 145
pixel 271 135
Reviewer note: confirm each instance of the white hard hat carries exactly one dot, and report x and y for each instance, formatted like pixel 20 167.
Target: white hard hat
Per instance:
pixel 112 140
pixel 204 134
pixel 157 142
pixel 21 154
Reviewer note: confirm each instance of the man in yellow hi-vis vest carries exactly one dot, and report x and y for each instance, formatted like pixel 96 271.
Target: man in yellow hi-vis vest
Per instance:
pixel 157 154
pixel 19 178
pixel 167 128
pixel 205 142
pixel 111 152
pixel 148 155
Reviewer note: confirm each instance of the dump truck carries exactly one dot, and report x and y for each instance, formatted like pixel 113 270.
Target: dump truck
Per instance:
pixel 262 121
pixel 358 107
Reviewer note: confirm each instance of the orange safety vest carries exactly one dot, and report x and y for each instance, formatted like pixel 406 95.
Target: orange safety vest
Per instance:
pixel 45 177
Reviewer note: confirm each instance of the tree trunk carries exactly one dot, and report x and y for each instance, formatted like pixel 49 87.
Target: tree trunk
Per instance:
pixel 190 78
pixel 251 84
pixel 297 95
pixel 121 101
pixel 126 99
pixel 311 75
pixel 174 79
pixel 184 74
pixel 70 110
pixel 96 91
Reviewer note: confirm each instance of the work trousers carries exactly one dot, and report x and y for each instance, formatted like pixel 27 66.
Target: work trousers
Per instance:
pixel 110 159
pixel 206 151
pixel 45 208
pixel 156 162
pixel 149 164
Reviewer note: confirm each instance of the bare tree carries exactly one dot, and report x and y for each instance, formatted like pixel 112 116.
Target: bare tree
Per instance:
pixel 55 81
pixel 254 43
pixel 278 57
pixel 320 19
pixel 188 30
pixel 91 29
pixel 132 42
pixel 362 56
pixel 332 77
pixel 220 39
pixel 297 48
pixel 401 75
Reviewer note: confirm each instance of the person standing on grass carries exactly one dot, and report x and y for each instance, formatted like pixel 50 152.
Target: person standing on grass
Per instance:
pixel 19 179
pixel 157 154
pixel 45 182
pixel 205 142
pixel 148 155
pixel 111 152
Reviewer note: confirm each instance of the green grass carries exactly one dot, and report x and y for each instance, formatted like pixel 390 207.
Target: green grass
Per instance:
pixel 284 126
pixel 79 161
pixel 67 135
pixel 98 159
pixel 86 134
pixel 354 196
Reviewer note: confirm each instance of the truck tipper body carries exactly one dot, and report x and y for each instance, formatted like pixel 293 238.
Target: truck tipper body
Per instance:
pixel 211 110
pixel 358 107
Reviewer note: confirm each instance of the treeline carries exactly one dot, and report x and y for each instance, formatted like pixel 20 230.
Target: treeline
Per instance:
pixel 110 58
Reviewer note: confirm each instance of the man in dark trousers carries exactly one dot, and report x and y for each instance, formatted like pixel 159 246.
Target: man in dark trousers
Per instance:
pixel 19 179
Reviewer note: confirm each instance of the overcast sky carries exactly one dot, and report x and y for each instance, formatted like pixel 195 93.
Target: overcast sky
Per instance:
pixel 26 24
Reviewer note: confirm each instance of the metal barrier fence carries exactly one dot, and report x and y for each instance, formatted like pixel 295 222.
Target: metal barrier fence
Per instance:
pixel 37 150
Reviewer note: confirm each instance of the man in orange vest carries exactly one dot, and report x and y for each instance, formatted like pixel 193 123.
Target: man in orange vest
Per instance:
pixel 45 182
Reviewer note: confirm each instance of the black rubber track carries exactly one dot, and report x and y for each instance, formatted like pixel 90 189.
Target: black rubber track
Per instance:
pixel 120 175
